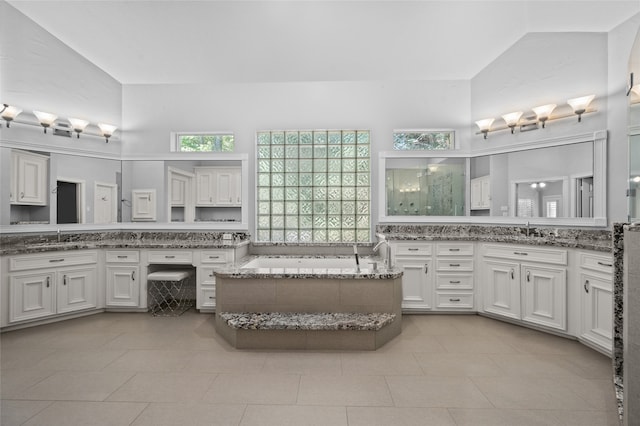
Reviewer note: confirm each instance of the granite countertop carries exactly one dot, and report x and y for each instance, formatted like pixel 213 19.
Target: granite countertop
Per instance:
pixel 307 273
pixel 28 243
pixel 580 238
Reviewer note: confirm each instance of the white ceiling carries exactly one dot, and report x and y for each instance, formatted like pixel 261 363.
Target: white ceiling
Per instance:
pixel 162 42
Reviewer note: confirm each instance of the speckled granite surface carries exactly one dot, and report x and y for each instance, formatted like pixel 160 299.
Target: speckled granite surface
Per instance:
pixel 618 296
pixel 306 321
pixel 36 243
pixel 309 273
pixel 582 238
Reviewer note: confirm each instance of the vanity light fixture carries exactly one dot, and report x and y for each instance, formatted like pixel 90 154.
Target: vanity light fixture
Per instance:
pixel 78 125
pixel 107 130
pixel 46 119
pixel 543 112
pixel 580 105
pixel 9 113
pixel 537 185
pixel 485 125
pixel 512 119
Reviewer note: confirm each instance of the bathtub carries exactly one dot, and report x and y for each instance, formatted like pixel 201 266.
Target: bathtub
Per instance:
pixel 304 262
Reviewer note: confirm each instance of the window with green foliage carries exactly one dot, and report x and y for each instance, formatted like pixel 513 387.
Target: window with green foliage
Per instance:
pixel 406 140
pixel 205 142
pixel 313 186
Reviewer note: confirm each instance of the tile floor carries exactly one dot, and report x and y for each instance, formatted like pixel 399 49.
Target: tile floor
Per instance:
pixel 135 369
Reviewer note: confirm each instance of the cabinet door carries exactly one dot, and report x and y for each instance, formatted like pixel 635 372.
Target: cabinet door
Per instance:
pixel 178 190
pixel 31 296
pixel 76 289
pixel 597 311
pixel 545 296
pixel 123 289
pixel 204 187
pixel 227 187
pixel 476 194
pixel 501 288
pixel 30 175
pixel 417 287
pixel 143 205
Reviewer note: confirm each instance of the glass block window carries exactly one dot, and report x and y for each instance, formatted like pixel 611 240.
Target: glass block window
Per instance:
pixel 313 186
pixel 407 140
pixel 205 142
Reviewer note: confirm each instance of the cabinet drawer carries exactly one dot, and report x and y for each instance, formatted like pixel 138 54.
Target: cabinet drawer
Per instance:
pixel 207 297
pixel 206 276
pixel 448 281
pixel 123 256
pixel 216 256
pixel 526 253
pixel 171 256
pixel 596 262
pixel 66 258
pixel 454 264
pixel 454 249
pixel 451 300
pixel 413 249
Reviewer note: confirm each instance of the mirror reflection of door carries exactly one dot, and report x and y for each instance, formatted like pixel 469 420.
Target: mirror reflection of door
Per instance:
pixel 67 202
pixel 105 203
pixel 584 194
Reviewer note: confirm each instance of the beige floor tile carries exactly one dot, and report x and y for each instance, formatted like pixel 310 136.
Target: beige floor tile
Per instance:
pixel 597 392
pixel 379 364
pixel 151 360
pixel 457 365
pixel 416 391
pixel 16 358
pixel 190 413
pixel 226 362
pixel 143 340
pixel 475 344
pixel 303 363
pixel 15 413
pixel 589 364
pixel 81 341
pixel 72 413
pixel 76 386
pixel 344 390
pixel 434 325
pixel 530 365
pixel 496 417
pixel 253 389
pixel 78 360
pixel 543 343
pixel 14 382
pixel 587 418
pixel 412 343
pixel 530 393
pixel 406 416
pixel 163 387
pixel 293 415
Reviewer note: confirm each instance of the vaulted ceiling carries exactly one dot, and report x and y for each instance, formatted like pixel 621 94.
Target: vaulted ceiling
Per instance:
pixel 182 42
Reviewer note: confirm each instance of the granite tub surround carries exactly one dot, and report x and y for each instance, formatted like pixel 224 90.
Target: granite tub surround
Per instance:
pixel 25 243
pixel 307 321
pixel 618 317
pixel 308 297
pixel 588 239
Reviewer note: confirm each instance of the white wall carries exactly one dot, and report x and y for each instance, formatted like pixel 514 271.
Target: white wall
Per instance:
pixel 39 72
pixel 152 112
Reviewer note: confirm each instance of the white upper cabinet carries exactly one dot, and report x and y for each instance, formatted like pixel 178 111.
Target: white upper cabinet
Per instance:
pixel 481 193
pixel 143 205
pixel 218 186
pixel 29 178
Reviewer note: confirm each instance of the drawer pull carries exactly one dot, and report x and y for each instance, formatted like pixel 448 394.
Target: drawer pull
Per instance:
pixel 528 276
pixel 133 275
pixel 454 265
pixel 454 282
pixel 64 279
pixel 521 253
pixel 211 297
pixel 454 249
pixel 48 281
pixel 426 268
pixel 454 300
pixel 413 249
pixel 55 260
pixel 214 257
pixel 512 273
pixel 605 264
pixel 586 286
pixel 211 275
pixel 169 257
pixel 122 256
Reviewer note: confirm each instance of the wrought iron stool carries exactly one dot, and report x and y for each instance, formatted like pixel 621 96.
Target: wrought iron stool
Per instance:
pixel 169 292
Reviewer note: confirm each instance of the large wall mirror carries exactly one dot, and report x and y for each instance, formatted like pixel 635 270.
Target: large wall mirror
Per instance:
pixel 560 182
pixel 634 134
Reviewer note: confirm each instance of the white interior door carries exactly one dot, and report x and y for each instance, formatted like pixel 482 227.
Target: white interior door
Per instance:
pixel 105 203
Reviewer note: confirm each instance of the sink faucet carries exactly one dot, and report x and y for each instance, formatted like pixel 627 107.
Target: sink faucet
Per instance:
pixel 527 228
pixel 58 234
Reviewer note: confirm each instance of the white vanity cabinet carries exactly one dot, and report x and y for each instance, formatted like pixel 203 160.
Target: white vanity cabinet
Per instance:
pixel 480 193
pixel 208 261
pixel 48 284
pixel 454 281
pixel 123 278
pixel 416 261
pixel 596 300
pixel 29 176
pixel 218 186
pixel 526 283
